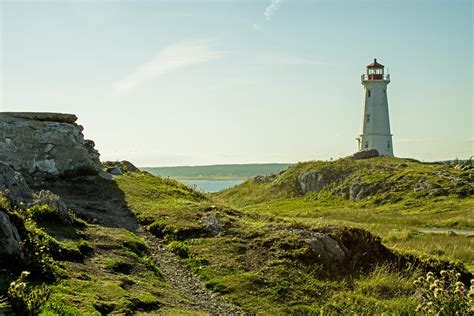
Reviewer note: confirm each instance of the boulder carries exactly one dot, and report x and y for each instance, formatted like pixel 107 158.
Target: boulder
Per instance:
pixel 14 187
pixel 40 145
pixel 115 171
pixel 312 181
pixel 264 179
pixel 122 166
pixel 315 181
pixel 212 224
pixel 365 154
pixel 9 238
pixel 45 197
pixel 359 190
pixel 326 247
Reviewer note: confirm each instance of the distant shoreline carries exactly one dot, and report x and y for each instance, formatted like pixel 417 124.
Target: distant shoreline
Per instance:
pixel 217 172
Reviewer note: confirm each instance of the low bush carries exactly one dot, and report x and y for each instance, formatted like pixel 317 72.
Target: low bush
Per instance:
pixel 444 295
pixel 25 299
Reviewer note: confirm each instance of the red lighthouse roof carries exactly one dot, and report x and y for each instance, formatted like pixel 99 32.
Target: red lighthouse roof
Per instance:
pixel 375 64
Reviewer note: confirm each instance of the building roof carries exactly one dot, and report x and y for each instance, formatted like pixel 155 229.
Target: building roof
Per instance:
pixel 375 64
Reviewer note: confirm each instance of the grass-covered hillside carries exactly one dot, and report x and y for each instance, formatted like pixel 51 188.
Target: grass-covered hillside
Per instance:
pixel 140 244
pixel 401 200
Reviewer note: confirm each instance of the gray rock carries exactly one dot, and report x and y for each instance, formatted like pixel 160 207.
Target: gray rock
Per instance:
pixel 365 154
pixel 326 247
pixel 212 224
pixel 264 179
pixel 45 144
pixel 360 190
pixel 115 171
pixel 14 187
pixel 312 181
pixel 44 116
pixel 9 237
pixel 45 197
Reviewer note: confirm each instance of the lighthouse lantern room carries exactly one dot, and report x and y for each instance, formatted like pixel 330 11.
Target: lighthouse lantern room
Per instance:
pixel 376 124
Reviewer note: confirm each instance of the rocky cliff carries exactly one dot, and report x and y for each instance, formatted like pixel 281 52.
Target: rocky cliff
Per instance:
pixel 42 145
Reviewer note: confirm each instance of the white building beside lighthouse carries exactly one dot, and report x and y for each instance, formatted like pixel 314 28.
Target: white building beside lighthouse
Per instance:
pixel 376 124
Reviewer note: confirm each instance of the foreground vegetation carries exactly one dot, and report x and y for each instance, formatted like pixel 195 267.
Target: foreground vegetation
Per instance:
pixel 260 253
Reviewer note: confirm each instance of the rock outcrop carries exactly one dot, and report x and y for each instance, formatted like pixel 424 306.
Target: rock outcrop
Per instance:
pixel 365 154
pixel 46 144
pixel 315 181
pixel 9 238
pixel 13 187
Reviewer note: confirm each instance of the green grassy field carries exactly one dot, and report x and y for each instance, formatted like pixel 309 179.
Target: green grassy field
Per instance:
pixel 398 214
pixel 249 243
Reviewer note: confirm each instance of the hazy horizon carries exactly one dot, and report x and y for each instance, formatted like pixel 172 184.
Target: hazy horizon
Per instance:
pixel 179 83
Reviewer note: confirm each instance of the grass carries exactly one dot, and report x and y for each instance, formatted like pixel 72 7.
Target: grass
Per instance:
pixel 397 214
pixel 257 256
pixel 250 262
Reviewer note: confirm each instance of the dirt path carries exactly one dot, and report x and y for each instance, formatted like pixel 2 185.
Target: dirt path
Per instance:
pixel 103 204
pixel 188 285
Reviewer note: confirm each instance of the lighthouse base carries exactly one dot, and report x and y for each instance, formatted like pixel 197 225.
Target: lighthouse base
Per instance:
pixel 382 143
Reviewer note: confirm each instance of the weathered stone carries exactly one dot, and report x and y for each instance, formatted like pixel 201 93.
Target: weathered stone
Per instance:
pixel 115 171
pixel 124 166
pixel 312 181
pixel 45 197
pixel 326 247
pixel 365 154
pixel 44 116
pixel 264 179
pixel 45 144
pixel 9 238
pixel 13 186
pixel 315 181
pixel 212 224
pixel 360 190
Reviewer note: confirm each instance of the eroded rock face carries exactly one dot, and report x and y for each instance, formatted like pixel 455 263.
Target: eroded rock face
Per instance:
pixel 9 237
pixel 13 187
pixel 315 181
pixel 45 144
pixel 325 246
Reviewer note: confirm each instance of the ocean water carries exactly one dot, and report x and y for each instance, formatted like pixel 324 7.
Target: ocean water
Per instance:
pixel 212 185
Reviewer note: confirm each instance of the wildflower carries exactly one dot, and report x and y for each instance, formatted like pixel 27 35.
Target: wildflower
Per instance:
pixel 459 284
pixel 24 274
pixel 458 275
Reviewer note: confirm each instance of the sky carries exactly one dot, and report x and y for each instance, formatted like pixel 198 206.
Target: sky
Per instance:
pixel 164 83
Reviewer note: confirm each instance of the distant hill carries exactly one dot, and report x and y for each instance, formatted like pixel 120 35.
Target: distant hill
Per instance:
pixel 231 171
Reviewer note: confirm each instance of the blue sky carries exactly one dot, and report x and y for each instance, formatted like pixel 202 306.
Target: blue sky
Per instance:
pixel 202 82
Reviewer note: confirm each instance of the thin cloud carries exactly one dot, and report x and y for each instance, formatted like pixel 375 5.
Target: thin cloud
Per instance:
pixel 173 57
pixel 271 9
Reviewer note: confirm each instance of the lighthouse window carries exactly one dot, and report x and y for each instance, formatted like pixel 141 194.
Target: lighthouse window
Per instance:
pixel 388 144
pixel 368 93
pixel 366 144
pixel 368 118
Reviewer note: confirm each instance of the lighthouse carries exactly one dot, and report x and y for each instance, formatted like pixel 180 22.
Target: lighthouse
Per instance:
pixel 376 124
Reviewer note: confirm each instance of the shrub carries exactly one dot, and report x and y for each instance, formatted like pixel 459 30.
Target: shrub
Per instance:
pixel 445 295
pixel 24 300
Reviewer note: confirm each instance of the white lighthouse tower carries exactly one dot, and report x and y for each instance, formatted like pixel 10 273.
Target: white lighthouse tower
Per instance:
pixel 376 124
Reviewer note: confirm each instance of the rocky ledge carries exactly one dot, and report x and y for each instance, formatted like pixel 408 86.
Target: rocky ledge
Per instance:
pixel 42 145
